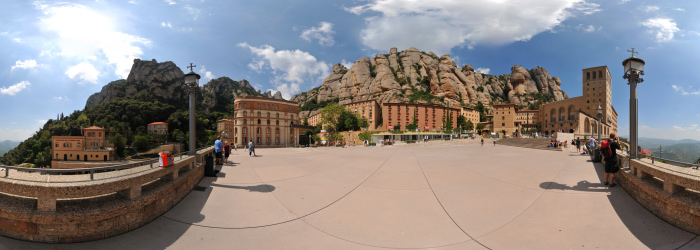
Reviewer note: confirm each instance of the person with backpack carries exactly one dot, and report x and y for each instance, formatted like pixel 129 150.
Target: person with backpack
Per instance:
pixel 608 148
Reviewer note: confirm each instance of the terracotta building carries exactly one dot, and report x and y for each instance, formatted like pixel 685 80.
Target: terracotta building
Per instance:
pixel 158 128
pixel 368 110
pixel 428 117
pixel 91 146
pixel 314 119
pixel 268 122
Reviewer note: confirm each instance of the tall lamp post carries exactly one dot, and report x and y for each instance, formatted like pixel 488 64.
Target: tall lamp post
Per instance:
pixel 600 119
pixel 634 67
pixel 192 85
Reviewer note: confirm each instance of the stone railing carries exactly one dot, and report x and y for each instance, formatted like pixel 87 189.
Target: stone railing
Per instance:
pixel 74 208
pixel 670 192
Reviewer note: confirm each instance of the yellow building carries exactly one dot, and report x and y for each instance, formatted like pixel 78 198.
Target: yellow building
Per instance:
pixel 471 115
pixel 91 146
pixel 226 129
pixel 268 122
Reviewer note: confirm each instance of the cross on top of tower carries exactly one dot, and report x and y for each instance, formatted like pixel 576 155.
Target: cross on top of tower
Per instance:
pixel 633 52
pixel 192 67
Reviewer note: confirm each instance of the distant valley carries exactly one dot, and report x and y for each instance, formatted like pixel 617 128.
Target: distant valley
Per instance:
pixel 7 145
pixel 685 150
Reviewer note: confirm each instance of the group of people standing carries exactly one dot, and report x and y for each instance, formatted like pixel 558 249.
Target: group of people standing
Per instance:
pixel 222 151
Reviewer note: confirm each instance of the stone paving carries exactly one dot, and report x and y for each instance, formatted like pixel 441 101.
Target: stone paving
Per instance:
pixel 437 195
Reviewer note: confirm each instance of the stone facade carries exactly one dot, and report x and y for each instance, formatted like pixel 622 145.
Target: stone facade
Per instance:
pixel 578 115
pixel 266 121
pixel 91 146
pixel 429 117
pixel 226 128
pixel 158 128
pixel 93 210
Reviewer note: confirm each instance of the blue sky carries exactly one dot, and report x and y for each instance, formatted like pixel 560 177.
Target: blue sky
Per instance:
pixel 56 54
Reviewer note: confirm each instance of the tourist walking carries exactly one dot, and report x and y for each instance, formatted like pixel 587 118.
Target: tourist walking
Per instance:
pixel 482 142
pixel 611 166
pixel 251 148
pixel 494 142
pixel 217 150
pixel 227 152
pixel 578 144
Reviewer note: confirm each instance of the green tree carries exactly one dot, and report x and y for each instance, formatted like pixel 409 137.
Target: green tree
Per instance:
pixel 414 125
pixel 141 143
pixel 448 121
pixel 119 143
pixel 305 122
pixel 362 122
pixel 469 126
pixel 480 127
pixel 366 135
pixel 316 138
pixel 397 127
pixel 462 121
pixel 330 116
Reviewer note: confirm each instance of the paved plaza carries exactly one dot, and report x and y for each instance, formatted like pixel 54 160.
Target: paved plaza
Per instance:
pixel 436 195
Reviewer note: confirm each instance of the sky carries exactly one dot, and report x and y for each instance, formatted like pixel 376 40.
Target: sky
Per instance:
pixel 56 54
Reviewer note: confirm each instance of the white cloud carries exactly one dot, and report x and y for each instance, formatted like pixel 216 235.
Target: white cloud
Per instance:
pixel 206 75
pixel 347 64
pixel 624 1
pixel 14 89
pixel 83 72
pixel 171 2
pixel 324 33
pixel 683 129
pixel 589 28
pixel 664 28
pixel 166 24
pixel 483 70
pixel 679 9
pixel 445 24
pixel 682 90
pixel 651 8
pixel 61 98
pixel 41 122
pixel 85 34
pixel 193 12
pixel 291 68
pixel 26 64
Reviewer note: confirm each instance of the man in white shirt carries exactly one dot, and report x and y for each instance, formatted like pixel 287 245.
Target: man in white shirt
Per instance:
pixel 591 142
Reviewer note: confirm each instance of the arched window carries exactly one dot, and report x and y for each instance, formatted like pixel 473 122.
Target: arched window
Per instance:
pixel 258 121
pixel 268 122
pixel 278 123
pixel 259 130
pixel 245 130
pixel 245 121
pixel 278 115
pixel 268 114
pixel 553 115
pixel 259 114
pixel 245 113
pixel 268 131
pixel 277 131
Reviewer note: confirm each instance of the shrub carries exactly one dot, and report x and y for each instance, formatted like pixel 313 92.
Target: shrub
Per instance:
pixel 410 141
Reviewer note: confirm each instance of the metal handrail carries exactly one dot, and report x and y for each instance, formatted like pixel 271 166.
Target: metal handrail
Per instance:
pixel 683 164
pixel 90 170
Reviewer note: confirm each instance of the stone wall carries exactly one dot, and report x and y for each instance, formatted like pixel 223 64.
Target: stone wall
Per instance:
pixel 671 195
pixel 71 212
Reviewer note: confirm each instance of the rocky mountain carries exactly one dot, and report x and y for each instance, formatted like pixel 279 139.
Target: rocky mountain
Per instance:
pixel 165 82
pixel 413 76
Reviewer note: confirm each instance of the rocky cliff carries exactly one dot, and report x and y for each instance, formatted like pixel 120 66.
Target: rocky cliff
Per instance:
pixel 413 76
pixel 164 81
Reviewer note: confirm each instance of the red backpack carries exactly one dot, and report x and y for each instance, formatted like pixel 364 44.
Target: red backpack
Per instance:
pixel 605 149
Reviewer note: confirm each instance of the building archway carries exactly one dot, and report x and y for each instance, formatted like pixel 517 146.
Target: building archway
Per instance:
pixel 105 158
pixel 587 126
pixel 571 131
pixel 562 113
pixel 65 157
pixel 84 157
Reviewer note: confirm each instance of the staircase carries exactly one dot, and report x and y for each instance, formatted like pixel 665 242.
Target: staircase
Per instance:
pixel 534 143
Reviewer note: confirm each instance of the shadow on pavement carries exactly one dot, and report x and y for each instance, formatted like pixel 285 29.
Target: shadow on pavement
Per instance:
pixel 580 186
pixel 264 188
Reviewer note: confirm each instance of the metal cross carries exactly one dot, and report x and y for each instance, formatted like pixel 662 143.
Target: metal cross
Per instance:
pixel 633 52
pixel 192 67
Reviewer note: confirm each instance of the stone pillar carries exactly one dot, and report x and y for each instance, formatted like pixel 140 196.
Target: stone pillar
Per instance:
pixel 132 192
pixel 671 188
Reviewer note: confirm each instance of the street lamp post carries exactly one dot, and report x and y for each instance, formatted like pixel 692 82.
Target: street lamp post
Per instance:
pixel 192 85
pixel 600 119
pixel 634 67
